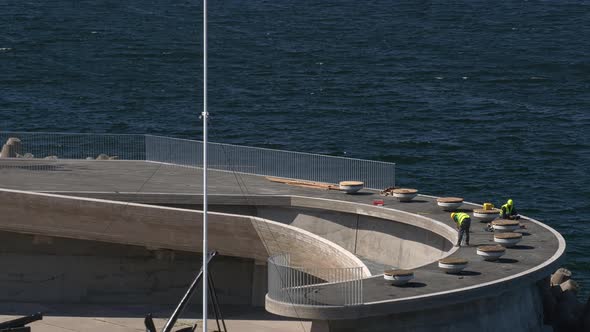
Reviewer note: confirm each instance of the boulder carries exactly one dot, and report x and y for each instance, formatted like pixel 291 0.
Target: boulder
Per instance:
pixel 568 313
pixel 560 276
pixel 12 148
pixel 569 285
pixel 585 319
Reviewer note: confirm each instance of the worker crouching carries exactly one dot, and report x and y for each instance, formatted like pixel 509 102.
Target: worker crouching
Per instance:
pixel 508 211
pixel 463 222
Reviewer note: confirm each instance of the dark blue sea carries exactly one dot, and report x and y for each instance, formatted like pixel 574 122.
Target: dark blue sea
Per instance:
pixel 487 100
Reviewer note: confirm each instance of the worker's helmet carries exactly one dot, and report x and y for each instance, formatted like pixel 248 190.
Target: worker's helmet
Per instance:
pixel 453 215
pixel 510 202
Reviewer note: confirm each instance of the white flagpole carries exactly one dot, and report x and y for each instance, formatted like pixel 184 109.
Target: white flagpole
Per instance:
pixel 205 115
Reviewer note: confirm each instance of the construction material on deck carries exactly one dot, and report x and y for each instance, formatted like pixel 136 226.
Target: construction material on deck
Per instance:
pixel 449 203
pixel 452 264
pixel 398 277
pixel 405 194
pixel 350 187
pixel 304 183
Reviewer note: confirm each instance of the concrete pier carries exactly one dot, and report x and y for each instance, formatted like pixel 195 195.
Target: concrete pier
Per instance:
pixel 156 207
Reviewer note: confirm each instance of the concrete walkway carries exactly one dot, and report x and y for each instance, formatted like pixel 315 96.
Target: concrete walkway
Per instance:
pixel 93 318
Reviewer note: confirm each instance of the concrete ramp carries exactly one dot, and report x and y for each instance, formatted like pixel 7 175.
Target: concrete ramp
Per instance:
pixel 159 227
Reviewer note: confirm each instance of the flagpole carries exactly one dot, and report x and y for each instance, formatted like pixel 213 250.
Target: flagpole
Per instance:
pixel 205 115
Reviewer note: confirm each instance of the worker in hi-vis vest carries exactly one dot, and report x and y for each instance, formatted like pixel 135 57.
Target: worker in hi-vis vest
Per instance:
pixel 463 222
pixel 508 211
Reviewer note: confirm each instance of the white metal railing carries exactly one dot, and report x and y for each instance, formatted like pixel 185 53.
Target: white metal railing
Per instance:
pixel 182 152
pixel 313 286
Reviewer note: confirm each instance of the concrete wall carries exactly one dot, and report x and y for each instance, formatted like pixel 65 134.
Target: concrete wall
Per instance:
pixel 59 270
pixel 384 241
pixel 519 310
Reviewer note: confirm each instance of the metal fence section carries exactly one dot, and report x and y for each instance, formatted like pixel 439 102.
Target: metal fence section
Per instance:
pixel 313 286
pixel 269 162
pixel 182 152
pixel 74 146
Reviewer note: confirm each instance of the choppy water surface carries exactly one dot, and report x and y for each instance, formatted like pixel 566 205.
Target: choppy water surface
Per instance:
pixel 485 100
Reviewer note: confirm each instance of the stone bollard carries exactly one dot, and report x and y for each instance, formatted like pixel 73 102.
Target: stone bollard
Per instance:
pixel 560 276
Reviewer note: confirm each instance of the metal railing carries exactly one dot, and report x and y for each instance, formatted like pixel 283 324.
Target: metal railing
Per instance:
pixel 269 162
pixel 313 286
pixel 75 146
pixel 182 152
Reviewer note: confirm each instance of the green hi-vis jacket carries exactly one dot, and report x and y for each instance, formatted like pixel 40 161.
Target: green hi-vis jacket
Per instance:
pixel 460 217
pixel 506 209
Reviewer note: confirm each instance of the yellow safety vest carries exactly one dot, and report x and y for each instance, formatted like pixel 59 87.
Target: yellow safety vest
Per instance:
pixel 460 217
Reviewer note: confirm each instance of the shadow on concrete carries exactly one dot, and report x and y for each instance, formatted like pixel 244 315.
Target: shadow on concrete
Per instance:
pixel 468 273
pixel 38 167
pixel 415 201
pixel 412 284
pixel 525 233
pixel 522 247
pixel 229 312
pixel 507 260
pixel 362 193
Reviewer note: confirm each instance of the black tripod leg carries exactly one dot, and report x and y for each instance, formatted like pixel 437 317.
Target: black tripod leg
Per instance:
pixel 149 324
pixel 216 303
pixel 215 308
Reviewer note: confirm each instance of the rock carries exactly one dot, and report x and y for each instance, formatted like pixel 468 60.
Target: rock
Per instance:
pixel 89 158
pixel 102 156
pixel 585 319
pixel 568 313
pixel 29 156
pixel 7 151
pixel 560 276
pixel 549 300
pixel 51 157
pixel 569 285
pixel 12 148
pixel 113 157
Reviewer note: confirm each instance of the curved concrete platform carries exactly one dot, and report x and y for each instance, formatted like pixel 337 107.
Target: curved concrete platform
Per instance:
pixel 405 235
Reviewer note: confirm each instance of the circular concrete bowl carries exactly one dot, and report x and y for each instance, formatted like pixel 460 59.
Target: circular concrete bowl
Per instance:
pixel 449 203
pixel 504 225
pixel 491 253
pixel 452 265
pixel 350 187
pixel 405 194
pixel 398 277
pixel 507 239
pixel 486 215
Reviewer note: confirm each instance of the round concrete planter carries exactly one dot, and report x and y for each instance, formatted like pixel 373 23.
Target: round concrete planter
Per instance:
pixel 449 203
pixel 452 265
pixel 398 277
pixel 405 194
pixel 486 215
pixel 503 225
pixel 491 253
pixel 350 187
pixel 507 239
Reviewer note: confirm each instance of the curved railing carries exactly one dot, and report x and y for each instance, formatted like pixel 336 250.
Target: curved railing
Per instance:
pixel 300 285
